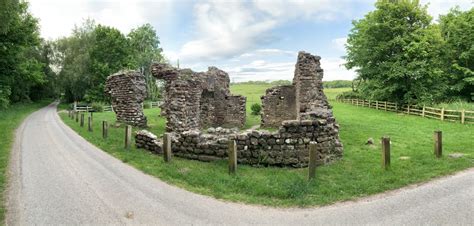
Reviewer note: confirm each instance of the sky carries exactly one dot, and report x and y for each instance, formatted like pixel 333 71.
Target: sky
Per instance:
pixel 251 40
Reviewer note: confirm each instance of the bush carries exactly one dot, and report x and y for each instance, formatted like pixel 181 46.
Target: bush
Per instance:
pixel 256 109
pixel 147 105
pixel 348 95
pixel 97 106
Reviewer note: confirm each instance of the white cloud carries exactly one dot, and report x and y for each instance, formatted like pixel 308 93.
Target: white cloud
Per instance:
pixel 437 7
pixel 339 44
pixel 58 17
pixel 260 70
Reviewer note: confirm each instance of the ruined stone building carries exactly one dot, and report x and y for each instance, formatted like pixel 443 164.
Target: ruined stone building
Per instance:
pixel 127 91
pixel 303 99
pixel 196 100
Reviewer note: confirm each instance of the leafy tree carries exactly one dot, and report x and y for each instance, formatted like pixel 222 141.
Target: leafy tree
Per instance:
pixel 395 50
pixel 457 29
pixel 145 47
pixel 110 53
pixel 20 46
pixel 71 56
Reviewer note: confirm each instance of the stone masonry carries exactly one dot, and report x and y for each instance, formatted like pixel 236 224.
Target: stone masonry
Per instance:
pixel 302 100
pixel 196 100
pixel 300 110
pixel 127 90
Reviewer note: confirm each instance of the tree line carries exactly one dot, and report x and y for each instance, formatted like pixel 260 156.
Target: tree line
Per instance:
pixel 74 67
pixel 400 54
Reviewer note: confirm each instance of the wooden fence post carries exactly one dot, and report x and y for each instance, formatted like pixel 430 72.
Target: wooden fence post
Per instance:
pixel 463 116
pixel 128 136
pixel 442 114
pixel 232 156
pixel 377 104
pixel 77 116
pixel 438 144
pixel 105 128
pixel 89 123
pixel 408 109
pixel 312 160
pixel 82 119
pixel 167 147
pixel 92 116
pixel 385 152
pixel 385 105
pixel 423 111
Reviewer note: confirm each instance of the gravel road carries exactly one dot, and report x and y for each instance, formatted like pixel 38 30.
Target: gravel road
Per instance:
pixel 56 177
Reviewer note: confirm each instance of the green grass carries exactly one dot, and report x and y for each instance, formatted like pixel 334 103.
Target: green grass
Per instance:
pixel 457 105
pixel 10 119
pixel 358 174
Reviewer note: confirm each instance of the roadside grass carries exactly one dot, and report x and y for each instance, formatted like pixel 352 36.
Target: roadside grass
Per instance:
pixel 10 119
pixel 357 174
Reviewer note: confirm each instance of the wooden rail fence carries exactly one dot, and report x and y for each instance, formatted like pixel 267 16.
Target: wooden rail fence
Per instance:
pixel 153 104
pixel 462 116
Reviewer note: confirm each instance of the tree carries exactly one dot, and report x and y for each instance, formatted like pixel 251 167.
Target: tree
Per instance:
pixel 145 47
pixel 109 54
pixel 457 29
pixel 395 50
pixel 20 46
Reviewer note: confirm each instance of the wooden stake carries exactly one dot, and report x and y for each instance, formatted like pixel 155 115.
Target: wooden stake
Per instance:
pixel 442 114
pixel 105 128
pixel 438 144
pixel 232 156
pixel 377 104
pixel 89 124
pixel 167 147
pixel 82 120
pixel 423 112
pixel 312 160
pixel 408 109
pixel 128 136
pixel 385 152
pixel 463 116
pixel 77 116
pixel 385 105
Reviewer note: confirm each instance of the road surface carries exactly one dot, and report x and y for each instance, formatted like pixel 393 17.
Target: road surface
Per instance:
pixel 56 177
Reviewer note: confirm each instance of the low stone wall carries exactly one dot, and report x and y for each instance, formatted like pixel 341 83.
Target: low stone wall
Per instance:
pixel 149 141
pixel 286 147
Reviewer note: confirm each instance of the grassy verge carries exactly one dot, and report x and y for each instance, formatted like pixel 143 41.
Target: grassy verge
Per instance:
pixel 10 119
pixel 358 174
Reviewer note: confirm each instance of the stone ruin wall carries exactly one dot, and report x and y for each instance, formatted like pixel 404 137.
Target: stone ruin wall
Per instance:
pixel 286 147
pixel 278 104
pixel 304 99
pixel 127 91
pixel 300 110
pixel 196 100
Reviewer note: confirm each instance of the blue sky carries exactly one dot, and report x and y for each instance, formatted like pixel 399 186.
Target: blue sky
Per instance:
pixel 251 40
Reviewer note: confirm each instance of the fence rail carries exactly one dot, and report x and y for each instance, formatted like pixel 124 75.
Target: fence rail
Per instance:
pixel 153 104
pixel 462 116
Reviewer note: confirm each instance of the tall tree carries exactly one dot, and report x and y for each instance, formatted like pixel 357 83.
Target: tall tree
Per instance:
pixel 20 69
pixel 145 47
pixel 110 53
pixel 395 50
pixel 457 29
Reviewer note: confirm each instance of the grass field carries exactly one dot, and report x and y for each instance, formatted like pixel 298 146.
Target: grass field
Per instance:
pixel 10 119
pixel 358 174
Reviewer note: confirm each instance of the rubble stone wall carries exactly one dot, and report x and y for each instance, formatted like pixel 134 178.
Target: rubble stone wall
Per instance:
pixel 279 104
pixel 286 147
pixel 196 100
pixel 127 90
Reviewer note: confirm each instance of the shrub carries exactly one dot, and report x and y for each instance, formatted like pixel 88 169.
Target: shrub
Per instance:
pixel 97 106
pixel 256 109
pixel 147 105
pixel 348 95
